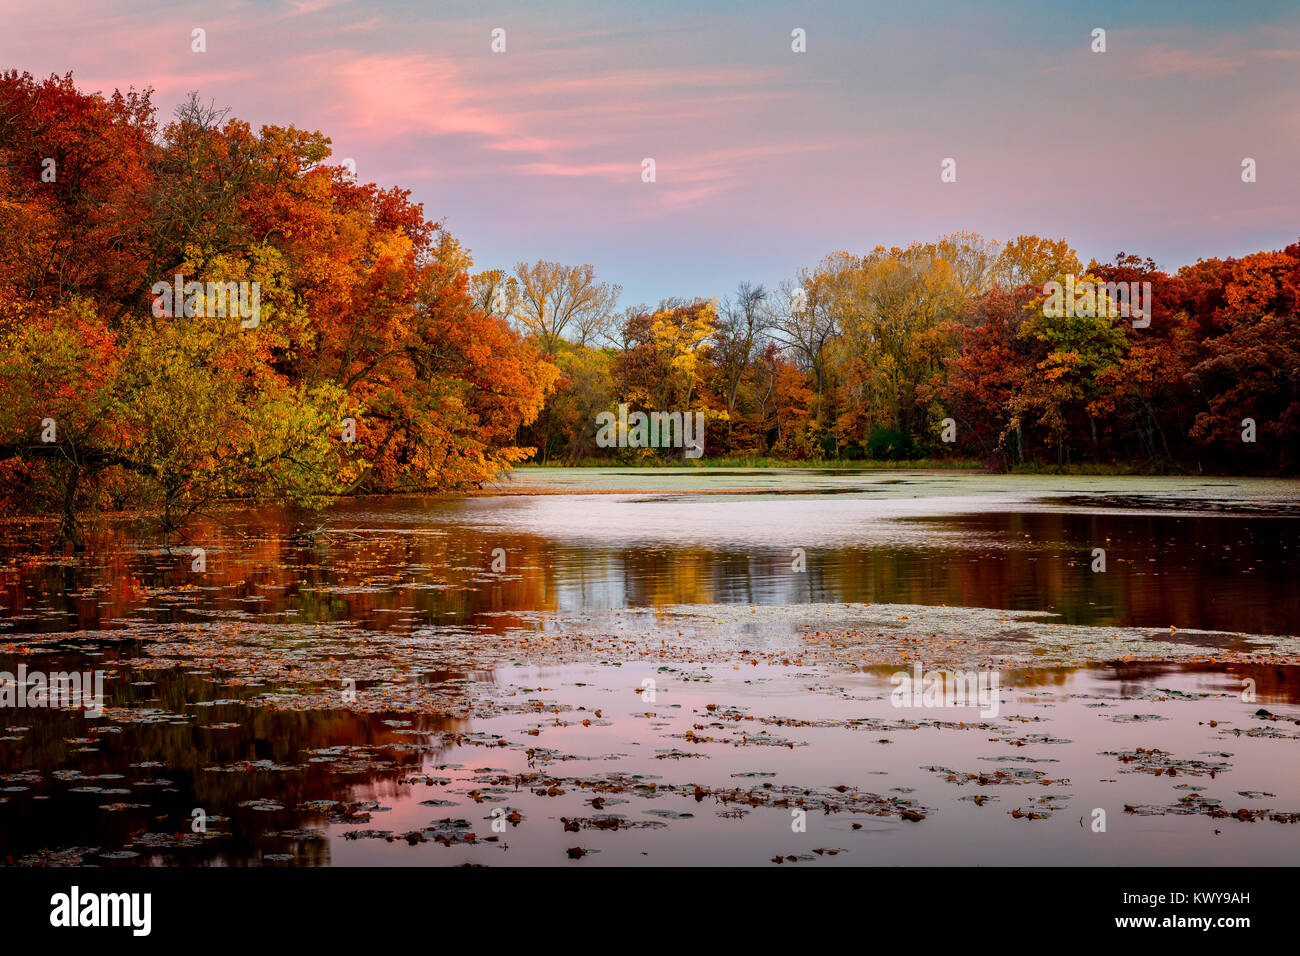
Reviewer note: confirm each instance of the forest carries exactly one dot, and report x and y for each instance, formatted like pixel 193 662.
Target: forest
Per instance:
pixel 381 361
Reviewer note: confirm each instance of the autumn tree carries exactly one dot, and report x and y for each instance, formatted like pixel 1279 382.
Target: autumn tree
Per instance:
pixel 1033 260
pixel 893 308
pixel 365 362
pixel 1072 353
pixel 978 381
pixel 1251 370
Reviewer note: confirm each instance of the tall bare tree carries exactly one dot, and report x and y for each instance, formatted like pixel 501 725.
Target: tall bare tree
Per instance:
pixel 740 323
pixel 556 302
pixel 803 318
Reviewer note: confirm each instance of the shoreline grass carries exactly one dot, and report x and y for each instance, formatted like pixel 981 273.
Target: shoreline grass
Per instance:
pixel 757 462
pixel 919 464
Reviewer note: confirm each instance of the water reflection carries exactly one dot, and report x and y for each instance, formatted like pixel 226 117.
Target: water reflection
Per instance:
pixel 322 787
pixel 402 564
pixel 278 783
pixel 173 742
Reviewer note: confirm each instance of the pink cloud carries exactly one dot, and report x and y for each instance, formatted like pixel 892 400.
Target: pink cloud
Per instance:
pixel 1163 60
pixel 299 8
pixel 407 93
pixel 547 123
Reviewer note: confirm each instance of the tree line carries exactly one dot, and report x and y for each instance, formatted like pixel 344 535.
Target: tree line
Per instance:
pixel 953 349
pixel 380 361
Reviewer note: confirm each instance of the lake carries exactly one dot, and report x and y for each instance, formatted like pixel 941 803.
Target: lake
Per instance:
pixel 672 667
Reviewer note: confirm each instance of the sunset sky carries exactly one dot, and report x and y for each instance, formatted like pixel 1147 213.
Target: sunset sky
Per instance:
pixel 766 159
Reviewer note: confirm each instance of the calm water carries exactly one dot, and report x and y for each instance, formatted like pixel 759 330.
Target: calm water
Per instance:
pixel 405 563
pixel 293 785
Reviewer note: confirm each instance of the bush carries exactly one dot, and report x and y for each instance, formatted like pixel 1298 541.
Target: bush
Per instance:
pixel 889 444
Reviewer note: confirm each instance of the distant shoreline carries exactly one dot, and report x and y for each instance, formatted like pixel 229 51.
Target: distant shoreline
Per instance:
pixel 929 465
